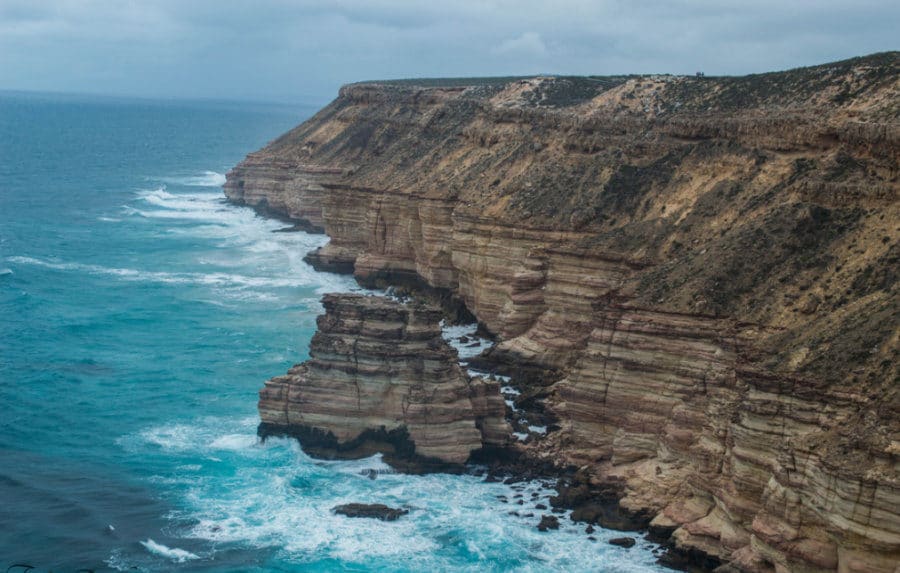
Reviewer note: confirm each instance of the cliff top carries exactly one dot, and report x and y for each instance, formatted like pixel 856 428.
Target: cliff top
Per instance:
pixel 840 82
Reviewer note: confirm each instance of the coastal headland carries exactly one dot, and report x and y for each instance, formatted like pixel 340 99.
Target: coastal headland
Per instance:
pixel 692 280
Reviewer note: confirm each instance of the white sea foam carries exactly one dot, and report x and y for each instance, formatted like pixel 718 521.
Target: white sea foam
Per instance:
pixel 278 497
pixel 239 295
pixel 202 207
pixel 474 346
pixel 209 206
pixel 205 433
pixel 187 201
pixel 362 466
pixel 483 374
pixel 211 279
pixel 173 437
pixel 118 562
pixel 234 442
pixel 243 240
pixel 206 179
pixel 173 553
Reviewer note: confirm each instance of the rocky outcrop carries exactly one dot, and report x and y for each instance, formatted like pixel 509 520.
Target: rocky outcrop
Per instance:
pixel 548 522
pixel 625 542
pixel 380 378
pixel 699 276
pixel 370 511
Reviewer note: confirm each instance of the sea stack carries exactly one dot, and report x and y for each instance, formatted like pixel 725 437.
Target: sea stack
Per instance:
pixel 380 378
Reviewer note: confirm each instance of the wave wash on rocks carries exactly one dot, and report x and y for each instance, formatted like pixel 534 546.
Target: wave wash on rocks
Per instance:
pixel 694 279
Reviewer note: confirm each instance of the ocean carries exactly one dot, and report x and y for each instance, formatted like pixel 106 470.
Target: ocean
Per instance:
pixel 139 315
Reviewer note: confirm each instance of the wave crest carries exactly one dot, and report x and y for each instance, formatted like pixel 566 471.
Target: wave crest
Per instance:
pixel 215 279
pixel 173 553
pixel 207 179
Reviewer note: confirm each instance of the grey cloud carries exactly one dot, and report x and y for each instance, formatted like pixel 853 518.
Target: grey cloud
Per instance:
pixel 526 44
pixel 304 49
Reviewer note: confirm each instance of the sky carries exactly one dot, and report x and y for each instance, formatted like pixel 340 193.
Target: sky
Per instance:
pixel 302 51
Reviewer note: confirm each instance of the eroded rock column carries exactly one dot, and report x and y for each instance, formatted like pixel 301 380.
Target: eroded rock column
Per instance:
pixel 380 378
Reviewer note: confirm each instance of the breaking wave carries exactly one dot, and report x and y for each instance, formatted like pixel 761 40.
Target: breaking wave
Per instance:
pixel 173 553
pixel 213 279
pixel 282 499
pixel 206 179
pixel 250 259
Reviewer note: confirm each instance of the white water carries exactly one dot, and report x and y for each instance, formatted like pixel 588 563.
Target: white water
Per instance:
pixel 205 179
pixel 175 554
pixel 278 497
pixel 236 491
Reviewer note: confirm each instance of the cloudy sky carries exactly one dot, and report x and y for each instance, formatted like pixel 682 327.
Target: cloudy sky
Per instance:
pixel 303 50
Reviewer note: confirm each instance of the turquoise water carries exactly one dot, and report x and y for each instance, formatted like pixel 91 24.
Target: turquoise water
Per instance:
pixel 139 316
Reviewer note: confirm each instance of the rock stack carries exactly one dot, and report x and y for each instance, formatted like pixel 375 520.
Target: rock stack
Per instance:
pixel 380 378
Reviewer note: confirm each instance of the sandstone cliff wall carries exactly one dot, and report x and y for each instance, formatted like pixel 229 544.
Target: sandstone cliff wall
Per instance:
pixel 381 378
pixel 704 268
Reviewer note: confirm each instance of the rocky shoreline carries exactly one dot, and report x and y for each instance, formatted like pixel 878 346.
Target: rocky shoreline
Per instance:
pixel 377 381
pixel 361 347
pixel 693 282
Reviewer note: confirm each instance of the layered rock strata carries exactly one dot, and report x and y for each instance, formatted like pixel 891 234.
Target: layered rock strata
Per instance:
pixel 705 269
pixel 380 378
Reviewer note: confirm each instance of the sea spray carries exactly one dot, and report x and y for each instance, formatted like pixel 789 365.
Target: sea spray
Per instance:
pixel 173 553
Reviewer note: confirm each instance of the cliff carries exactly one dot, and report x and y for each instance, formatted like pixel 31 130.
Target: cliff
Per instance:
pixel 380 378
pixel 694 278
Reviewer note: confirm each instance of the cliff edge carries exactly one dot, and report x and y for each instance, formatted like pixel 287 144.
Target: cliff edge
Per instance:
pixel 694 277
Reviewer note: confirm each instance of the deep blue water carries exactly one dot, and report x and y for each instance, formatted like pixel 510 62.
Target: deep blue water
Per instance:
pixel 139 316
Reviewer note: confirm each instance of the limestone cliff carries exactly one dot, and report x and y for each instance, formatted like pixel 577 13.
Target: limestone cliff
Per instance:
pixel 380 378
pixel 701 271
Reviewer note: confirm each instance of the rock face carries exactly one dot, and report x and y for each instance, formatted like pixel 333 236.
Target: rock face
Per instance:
pixel 380 378
pixel 704 269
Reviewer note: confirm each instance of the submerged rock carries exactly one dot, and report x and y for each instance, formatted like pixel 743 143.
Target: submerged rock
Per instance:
pixel 370 510
pixel 548 522
pixel 622 541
